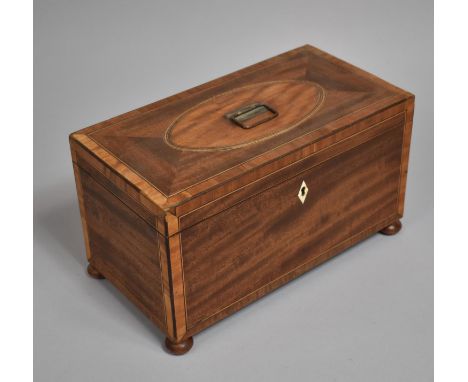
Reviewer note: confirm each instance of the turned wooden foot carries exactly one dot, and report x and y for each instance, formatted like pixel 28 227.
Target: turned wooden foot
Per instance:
pixel 179 348
pixel 392 229
pixel 94 273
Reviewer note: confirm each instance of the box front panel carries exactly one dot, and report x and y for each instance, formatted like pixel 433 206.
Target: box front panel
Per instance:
pixel 242 252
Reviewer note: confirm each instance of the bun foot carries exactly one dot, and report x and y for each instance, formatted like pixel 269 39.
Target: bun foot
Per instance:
pixel 392 229
pixel 179 348
pixel 94 273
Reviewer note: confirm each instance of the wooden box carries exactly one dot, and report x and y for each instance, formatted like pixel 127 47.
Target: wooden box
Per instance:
pixel 199 204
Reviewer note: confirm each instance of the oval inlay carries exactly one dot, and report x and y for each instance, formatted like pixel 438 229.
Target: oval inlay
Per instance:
pixel 204 127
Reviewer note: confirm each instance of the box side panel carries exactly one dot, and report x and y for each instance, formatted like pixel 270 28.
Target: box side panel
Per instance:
pixel 127 192
pixel 84 224
pixel 405 152
pixel 242 253
pixel 176 266
pixel 124 248
pixel 117 177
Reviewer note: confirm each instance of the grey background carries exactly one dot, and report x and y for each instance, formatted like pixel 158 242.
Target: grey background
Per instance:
pixel 364 316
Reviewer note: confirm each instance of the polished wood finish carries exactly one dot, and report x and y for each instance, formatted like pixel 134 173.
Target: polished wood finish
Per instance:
pixel 134 144
pixel 94 273
pixel 306 158
pixel 193 217
pixel 179 348
pixel 405 152
pixel 293 100
pixel 79 192
pixel 243 249
pixel 392 229
pixel 314 262
pixel 124 248
pixel 177 276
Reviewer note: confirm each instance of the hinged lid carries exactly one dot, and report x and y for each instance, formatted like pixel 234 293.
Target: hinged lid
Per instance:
pixel 197 142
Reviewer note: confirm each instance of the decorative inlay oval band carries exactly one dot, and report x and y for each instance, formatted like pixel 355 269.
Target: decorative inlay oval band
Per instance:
pixel 204 126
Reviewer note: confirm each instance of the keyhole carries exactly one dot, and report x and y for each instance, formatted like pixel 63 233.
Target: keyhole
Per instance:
pixel 303 191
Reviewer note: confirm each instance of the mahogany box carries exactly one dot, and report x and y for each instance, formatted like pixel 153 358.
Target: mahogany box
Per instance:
pixel 201 203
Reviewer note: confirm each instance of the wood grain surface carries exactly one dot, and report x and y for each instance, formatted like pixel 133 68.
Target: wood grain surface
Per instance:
pixel 294 101
pixel 135 145
pixel 192 217
pixel 124 248
pixel 305 158
pixel 177 277
pixel 243 249
pixel 405 153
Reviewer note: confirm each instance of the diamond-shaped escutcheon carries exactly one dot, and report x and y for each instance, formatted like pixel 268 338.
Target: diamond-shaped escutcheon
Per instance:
pixel 303 192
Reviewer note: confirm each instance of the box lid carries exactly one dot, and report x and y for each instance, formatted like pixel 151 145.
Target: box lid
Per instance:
pixel 201 141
